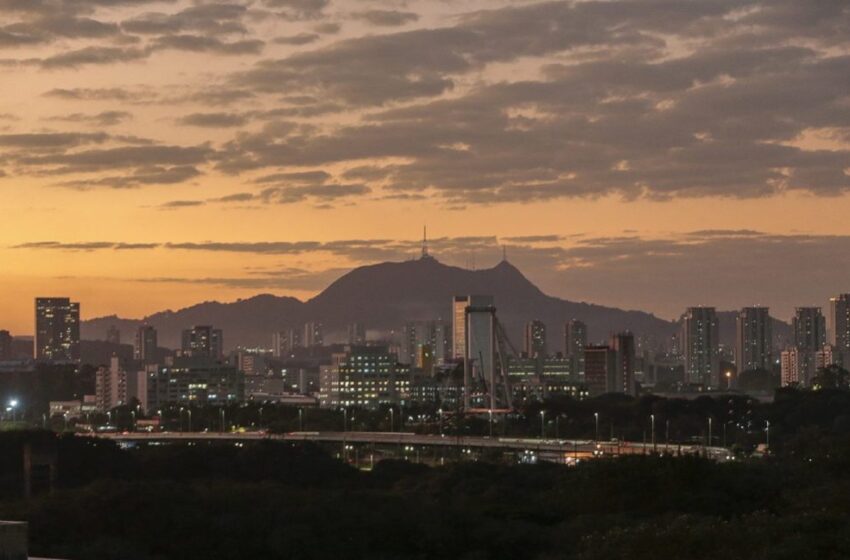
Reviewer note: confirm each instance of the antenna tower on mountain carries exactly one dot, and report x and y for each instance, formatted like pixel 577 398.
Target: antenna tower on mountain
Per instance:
pixel 425 254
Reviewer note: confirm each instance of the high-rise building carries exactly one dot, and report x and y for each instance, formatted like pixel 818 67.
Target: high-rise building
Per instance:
pixel 356 334
pixel 57 330
pixel 285 342
pixel 474 317
pixel 419 334
pixel 809 327
pixel 6 352
pixel 111 386
pixel 535 339
pixel 623 344
pixel 313 335
pixel 575 339
pixel 113 335
pixel 459 305
pixel 838 325
pixel 203 341
pixel 754 339
pixel 145 345
pixel 600 369
pixel 826 357
pixel 700 346
pixel 790 364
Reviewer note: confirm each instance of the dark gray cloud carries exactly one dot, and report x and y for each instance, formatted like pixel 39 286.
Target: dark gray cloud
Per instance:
pixel 208 19
pixel 92 55
pixel 214 120
pixel 202 43
pixel 298 9
pixel 386 18
pixel 300 39
pixel 104 118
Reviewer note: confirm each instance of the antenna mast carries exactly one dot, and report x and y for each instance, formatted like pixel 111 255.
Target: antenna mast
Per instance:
pixel 424 242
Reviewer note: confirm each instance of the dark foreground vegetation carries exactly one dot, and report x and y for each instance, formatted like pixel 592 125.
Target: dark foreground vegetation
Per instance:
pixel 275 500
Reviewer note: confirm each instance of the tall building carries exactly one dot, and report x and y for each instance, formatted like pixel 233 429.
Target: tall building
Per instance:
pixel 6 352
pixel 313 335
pixel 838 325
pixel 623 344
pixel 111 386
pixel 790 364
pixel 575 339
pixel 356 334
pixel 535 339
pixel 459 305
pixel 420 334
pixel 809 327
pixel 203 341
pixel 600 369
pixel 285 342
pixel 754 339
pixel 113 335
pixel 700 346
pixel 474 317
pixel 145 345
pixel 57 330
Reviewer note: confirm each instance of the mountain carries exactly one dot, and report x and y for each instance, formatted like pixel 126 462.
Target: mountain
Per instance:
pixel 385 296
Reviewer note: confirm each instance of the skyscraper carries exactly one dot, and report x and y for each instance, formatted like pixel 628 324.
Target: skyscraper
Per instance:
pixel 313 335
pixel 838 325
pixel 421 334
pixel 145 345
pixel 535 339
pixel 754 339
pixel 600 363
pixel 356 334
pixel 575 339
pixel 473 319
pixel 790 364
pixel 57 330
pixel 623 344
pixel 700 346
pixel 809 326
pixel 203 340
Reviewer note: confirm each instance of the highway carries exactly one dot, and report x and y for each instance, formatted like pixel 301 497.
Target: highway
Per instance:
pixel 546 449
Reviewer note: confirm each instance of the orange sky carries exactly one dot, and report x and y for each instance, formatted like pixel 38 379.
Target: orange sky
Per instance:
pixel 40 205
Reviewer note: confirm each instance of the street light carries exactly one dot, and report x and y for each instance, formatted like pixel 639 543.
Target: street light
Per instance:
pixel 767 431
pixel 652 417
pixel 392 419
pixel 440 412
pixel 542 424
pixel 709 431
pixel 596 417
pixel 344 419
pixel 300 419
pixel 491 422
pixel 13 404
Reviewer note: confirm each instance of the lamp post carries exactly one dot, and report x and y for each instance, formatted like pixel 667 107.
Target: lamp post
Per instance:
pixel 542 424
pixel 709 431
pixel 300 419
pixel 652 417
pixel 13 404
pixel 392 419
pixel 189 410
pixel 440 412
pixel 223 424
pixel 491 422
pixel 344 420
pixel 596 417
pixel 767 432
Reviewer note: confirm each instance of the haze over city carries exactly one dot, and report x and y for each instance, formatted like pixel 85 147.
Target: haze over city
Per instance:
pixel 643 155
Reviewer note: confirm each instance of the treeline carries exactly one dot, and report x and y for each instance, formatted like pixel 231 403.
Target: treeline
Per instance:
pixel 277 501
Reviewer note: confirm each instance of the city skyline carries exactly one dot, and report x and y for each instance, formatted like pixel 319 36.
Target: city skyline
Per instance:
pixel 633 154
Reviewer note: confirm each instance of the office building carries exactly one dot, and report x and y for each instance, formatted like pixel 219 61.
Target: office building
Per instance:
pixel 753 340
pixel 623 344
pixel 57 330
pixel 6 351
pixel 417 335
pixel 285 342
pixel 357 334
pixel 838 325
pixel 194 379
pixel 313 335
pixel 363 376
pixel 145 345
pixel 600 369
pixel 113 335
pixel 535 339
pixel 203 341
pixel 700 347
pixel 809 327
pixel 474 318
pixel 575 339
pixel 791 367
pixel 110 386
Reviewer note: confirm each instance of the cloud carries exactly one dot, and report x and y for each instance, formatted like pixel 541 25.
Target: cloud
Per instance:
pixel 92 55
pixel 200 43
pixel 299 9
pixel 214 120
pixel 300 39
pixel 386 18
pixel 104 118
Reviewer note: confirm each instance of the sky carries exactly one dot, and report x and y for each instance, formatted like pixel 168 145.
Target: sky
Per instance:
pixel 644 154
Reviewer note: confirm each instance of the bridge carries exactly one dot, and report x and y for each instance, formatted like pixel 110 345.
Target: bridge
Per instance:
pixel 431 448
